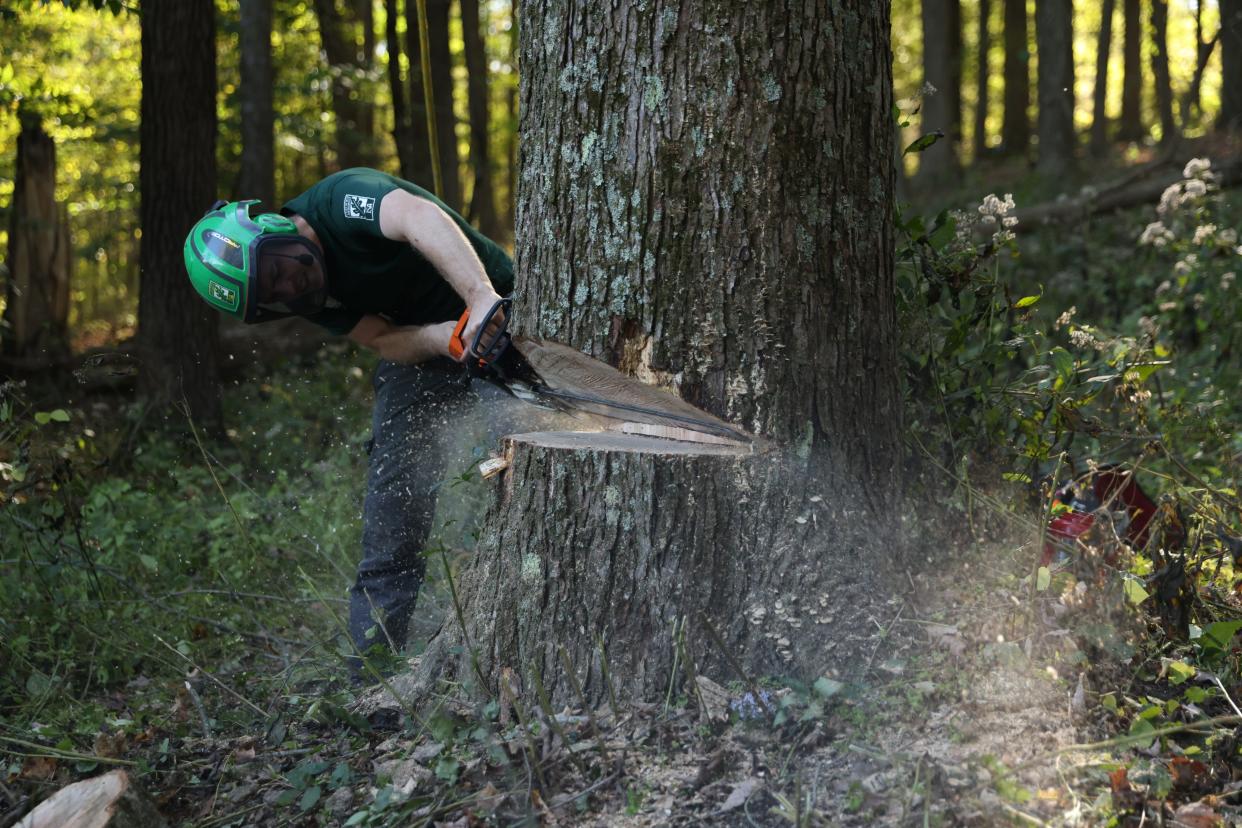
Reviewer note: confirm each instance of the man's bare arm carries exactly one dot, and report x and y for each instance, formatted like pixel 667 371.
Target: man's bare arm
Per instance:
pixel 430 231
pixel 403 343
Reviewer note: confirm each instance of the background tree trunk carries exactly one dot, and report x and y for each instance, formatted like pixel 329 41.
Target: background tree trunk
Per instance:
pixel 348 39
pixel 1054 36
pixel 402 136
pixel 483 196
pixel 1230 65
pixel 1016 127
pixel 177 337
pixel 1131 125
pixel 419 142
pixel 982 76
pixel 1160 69
pixel 511 105
pixel 40 256
pixel 941 108
pixel 258 164
pixel 1099 98
pixel 706 200
pixel 442 86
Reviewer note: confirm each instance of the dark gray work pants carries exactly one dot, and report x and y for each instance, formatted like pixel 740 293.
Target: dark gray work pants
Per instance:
pixel 417 407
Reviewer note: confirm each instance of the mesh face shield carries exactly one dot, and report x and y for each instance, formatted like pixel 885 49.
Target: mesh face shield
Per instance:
pixel 289 276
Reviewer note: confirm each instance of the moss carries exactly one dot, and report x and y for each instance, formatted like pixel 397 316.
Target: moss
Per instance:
pixel 653 92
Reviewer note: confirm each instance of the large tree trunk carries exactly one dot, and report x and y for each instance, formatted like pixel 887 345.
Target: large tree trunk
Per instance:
pixel 258 161
pixel 1016 126
pixel 1131 125
pixel 442 87
pixel 1230 65
pixel 982 76
pixel 1099 97
pixel 348 36
pixel 1160 69
pixel 177 335
pixel 483 196
pixel 941 109
pixel 706 201
pixel 1054 36
pixel 40 257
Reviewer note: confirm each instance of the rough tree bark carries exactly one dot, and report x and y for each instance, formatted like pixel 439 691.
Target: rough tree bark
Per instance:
pixel 1130 127
pixel 483 196
pixel 706 201
pixel 1160 69
pixel 442 86
pixel 941 107
pixel 347 33
pixel 177 337
pixel 1230 65
pixel 1099 97
pixel 1054 37
pixel 982 75
pixel 1016 126
pixel 258 160
pixel 40 258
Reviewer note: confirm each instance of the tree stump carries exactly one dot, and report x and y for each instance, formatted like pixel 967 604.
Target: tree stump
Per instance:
pixel 108 801
pixel 649 561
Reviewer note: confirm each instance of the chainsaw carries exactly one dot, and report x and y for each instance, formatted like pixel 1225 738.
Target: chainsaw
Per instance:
pixel 555 376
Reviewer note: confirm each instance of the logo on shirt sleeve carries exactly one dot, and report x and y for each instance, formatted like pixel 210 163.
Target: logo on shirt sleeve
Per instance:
pixel 360 207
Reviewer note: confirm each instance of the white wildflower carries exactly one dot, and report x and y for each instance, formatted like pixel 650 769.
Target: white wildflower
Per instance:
pixel 1148 325
pixel 1165 307
pixel 1156 234
pixel 1195 167
pixel 1226 280
pixel 1080 338
pixel 1170 200
pixel 1064 319
pixel 1140 395
pixel 927 90
pixel 1198 300
pixel 1164 287
pixel 1227 237
pixel 1193 189
pixel 1204 233
pixel 1184 266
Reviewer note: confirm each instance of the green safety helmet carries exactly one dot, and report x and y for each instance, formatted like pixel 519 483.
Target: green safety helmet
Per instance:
pixel 254 268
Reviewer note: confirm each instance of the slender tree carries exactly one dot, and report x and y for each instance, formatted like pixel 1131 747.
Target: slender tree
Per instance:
pixel 483 196
pixel 1099 97
pixel 177 332
pixel 347 32
pixel 442 86
pixel 402 129
pixel 982 77
pixel 1160 69
pixel 1054 37
pixel 732 235
pixel 1130 127
pixel 1016 126
pixel 258 163
pixel 941 106
pixel 40 257
pixel 1230 65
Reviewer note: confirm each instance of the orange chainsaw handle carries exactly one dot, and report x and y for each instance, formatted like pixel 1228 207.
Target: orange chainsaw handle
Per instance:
pixel 488 351
pixel 457 346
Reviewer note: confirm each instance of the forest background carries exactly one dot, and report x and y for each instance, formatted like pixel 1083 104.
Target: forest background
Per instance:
pixel 152 528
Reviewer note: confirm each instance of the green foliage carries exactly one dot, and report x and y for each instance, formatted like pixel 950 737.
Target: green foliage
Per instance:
pixel 120 547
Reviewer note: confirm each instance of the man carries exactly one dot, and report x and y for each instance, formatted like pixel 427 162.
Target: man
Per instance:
pixel 383 261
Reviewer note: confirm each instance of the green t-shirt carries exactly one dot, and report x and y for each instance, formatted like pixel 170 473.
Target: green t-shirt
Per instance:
pixel 370 274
